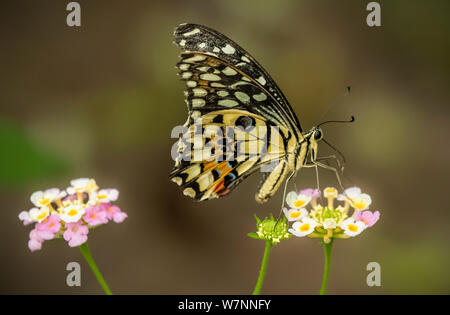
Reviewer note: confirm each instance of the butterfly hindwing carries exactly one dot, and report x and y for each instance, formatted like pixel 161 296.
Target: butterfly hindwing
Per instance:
pixel 222 148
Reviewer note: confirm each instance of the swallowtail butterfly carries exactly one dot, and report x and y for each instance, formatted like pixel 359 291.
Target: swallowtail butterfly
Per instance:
pixel 229 92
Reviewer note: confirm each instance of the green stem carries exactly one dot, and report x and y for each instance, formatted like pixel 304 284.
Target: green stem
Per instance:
pixel 326 268
pixel 262 271
pixel 88 257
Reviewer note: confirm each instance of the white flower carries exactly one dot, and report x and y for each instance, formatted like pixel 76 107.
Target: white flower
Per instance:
pixel 24 216
pixel 39 214
pixel 61 194
pixel 304 227
pixel 72 213
pixel 104 196
pixel 81 185
pixel 357 199
pixel 352 228
pixel 44 198
pixel 297 201
pixel 295 214
pixel 351 192
pixel 362 202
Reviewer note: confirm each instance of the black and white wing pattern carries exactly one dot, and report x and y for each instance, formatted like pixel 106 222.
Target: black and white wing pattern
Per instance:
pixel 227 88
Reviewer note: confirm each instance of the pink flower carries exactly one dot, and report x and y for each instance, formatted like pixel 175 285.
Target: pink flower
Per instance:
pixel 76 233
pixel 35 242
pixel 95 215
pixel 34 245
pixel 367 217
pixel 313 193
pixel 47 228
pixel 114 213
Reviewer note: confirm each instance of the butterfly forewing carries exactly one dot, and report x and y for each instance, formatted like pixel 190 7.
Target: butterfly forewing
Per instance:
pixel 237 70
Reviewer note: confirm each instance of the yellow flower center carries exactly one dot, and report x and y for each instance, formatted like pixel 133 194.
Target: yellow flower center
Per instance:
pixel 352 228
pixel 295 215
pixel 304 227
pixel 72 212
pixel 359 205
pixel 42 215
pixel 101 197
pixel 299 203
pixel 44 201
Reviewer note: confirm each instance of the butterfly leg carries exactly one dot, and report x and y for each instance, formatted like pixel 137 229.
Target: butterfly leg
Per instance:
pixel 284 191
pixel 317 163
pixel 327 158
pixel 284 197
pixel 340 164
pixel 309 165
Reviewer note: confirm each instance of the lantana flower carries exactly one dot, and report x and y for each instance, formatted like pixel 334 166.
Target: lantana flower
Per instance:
pixel 297 200
pixel 105 195
pixel 44 198
pixel 328 222
pixel 295 214
pixel 304 227
pixel 39 214
pixel 352 227
pixel 76 233
pixel 367 217
pixel 356 198
pixel 70 214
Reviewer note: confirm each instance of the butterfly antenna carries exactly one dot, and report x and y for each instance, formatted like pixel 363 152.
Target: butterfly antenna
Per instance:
pixel 338 152
pixel 352 119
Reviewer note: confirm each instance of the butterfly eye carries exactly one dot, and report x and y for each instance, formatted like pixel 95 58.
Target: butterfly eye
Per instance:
pixel 317 134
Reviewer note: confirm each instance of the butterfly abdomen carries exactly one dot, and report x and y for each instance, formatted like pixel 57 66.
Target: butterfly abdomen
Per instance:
pixel 272 182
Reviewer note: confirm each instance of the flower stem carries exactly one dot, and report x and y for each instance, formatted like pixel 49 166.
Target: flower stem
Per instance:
pixel 262 271
pixel 326 269
pixel 88 257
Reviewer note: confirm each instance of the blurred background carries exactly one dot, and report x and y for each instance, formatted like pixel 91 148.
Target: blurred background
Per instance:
pixel 100 101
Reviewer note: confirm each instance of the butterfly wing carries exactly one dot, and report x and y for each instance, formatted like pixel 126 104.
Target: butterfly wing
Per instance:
pixel 218 151
pixel 226 87
pixel 214 59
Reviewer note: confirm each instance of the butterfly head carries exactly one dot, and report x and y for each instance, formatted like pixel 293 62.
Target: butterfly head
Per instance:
pixel 316 134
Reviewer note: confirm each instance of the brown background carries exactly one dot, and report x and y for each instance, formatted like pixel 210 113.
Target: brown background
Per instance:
pixel 100 101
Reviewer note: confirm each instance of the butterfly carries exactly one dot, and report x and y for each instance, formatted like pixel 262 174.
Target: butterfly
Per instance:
pixel 238 121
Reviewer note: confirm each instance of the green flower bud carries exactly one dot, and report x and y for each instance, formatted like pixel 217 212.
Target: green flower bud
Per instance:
pixel 271 230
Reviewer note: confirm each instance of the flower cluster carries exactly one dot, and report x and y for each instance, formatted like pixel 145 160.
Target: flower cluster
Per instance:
pixel 271 230
pixel 328 221
pixel 70 213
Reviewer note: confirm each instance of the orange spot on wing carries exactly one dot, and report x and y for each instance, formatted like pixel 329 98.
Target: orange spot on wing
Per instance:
pixel 224 169
pixel 220 186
